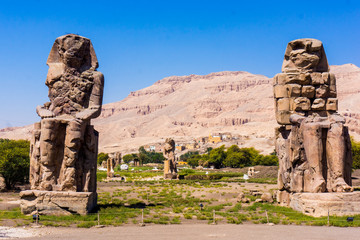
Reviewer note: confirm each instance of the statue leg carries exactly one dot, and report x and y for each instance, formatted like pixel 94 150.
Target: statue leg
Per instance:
pixel 336 155
pixel 48 153
pixel 34 177
pixel 174 166
pixel 312 134
pixel 73 140
pixel 90 161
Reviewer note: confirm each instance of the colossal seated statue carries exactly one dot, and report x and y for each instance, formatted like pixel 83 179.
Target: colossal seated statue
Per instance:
pixel 312 143
pixel 64 144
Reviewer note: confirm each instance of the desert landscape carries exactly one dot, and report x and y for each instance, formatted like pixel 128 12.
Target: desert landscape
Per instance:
pixel 239 207
pixel 190 107
pixel 179 120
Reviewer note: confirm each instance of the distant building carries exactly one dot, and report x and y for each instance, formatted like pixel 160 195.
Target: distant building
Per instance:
pixel 181 163
pixel 226 136
pixel 179 147
pixel 215 138
pixel 152 148
pixel 192 146
pixel 202 140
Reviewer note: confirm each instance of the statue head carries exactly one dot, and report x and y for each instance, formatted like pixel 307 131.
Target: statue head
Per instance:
pixel 169 145
pixel 305 55
pixel 73 51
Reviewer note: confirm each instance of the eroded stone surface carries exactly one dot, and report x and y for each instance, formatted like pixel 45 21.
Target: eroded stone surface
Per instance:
pixel 318 204
pixel 314 146
pixel 64 145
pixel 57 203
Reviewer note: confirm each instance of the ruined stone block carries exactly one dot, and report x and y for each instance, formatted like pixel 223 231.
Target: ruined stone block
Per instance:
pixel 57 202
pixel 296 183
pixel 283 198
pixel 275 80
pixel 280 91
pixel 332 104
pixel 317 78
pixel 281 78
pixel 322 91
pixel 294 90
pixel 321 204
pixel 298 78
pixel 300 104
pixel 283 117
pixel 283 104
pixel 318 104
pixel 325 77
pixel 332 86
pixel 308 91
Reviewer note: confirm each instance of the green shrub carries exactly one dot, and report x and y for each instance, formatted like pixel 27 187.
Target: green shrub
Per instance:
pixel 102 157
pixel 186 171
pixel 355 147
pixel 14 161
pixel 87 224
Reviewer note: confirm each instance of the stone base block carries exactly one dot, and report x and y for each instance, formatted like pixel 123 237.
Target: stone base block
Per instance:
pixel 318 204
pixel 57 203
pixel 283 198
pixel 171 176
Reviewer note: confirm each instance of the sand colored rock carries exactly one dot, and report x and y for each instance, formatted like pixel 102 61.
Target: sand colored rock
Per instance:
pixel 57 202
pixel 64 144
pixel 267 197
pixel 313 145
pixel 318 204
pixel 202 104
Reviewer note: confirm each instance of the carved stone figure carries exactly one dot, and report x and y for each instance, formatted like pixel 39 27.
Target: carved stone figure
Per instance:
pixel 170 169
pixel 64 144
pixel 313 144
pixel 117 159
pixel 110 167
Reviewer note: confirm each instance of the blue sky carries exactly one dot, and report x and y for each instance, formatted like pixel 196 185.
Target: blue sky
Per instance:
pixel 140 42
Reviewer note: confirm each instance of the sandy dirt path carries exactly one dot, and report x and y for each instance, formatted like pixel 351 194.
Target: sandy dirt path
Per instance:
pixel 200 231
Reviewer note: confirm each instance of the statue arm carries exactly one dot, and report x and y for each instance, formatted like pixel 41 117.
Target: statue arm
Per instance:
pixel 296 118
pixel 44 112
pixel 95 102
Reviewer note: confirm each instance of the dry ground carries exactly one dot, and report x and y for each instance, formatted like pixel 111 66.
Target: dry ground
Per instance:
pixel 197 231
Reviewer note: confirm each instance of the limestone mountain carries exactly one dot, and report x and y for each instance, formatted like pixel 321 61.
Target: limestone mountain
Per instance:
pixel 187 107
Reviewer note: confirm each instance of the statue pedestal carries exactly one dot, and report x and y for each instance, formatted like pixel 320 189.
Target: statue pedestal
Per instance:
pixel 318 204
pixel 57 203
pixel 171 176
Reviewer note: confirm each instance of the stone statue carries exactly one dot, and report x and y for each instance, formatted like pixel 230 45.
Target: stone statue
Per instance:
pixel 64 144
pixel 117 158
pixel 170 169
pixel 313 144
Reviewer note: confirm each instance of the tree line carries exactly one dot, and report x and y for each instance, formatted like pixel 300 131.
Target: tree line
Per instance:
pixel 143 156
pixel 233 157
pixel 15 161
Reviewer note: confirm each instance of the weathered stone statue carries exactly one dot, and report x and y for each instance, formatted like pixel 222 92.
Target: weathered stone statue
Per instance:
pixel 117 158
pixel 64 144
pixel 312 143
pixel 170 169
pixel 110 167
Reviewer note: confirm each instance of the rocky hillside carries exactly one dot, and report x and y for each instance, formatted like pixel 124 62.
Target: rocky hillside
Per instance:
pixel 193 106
